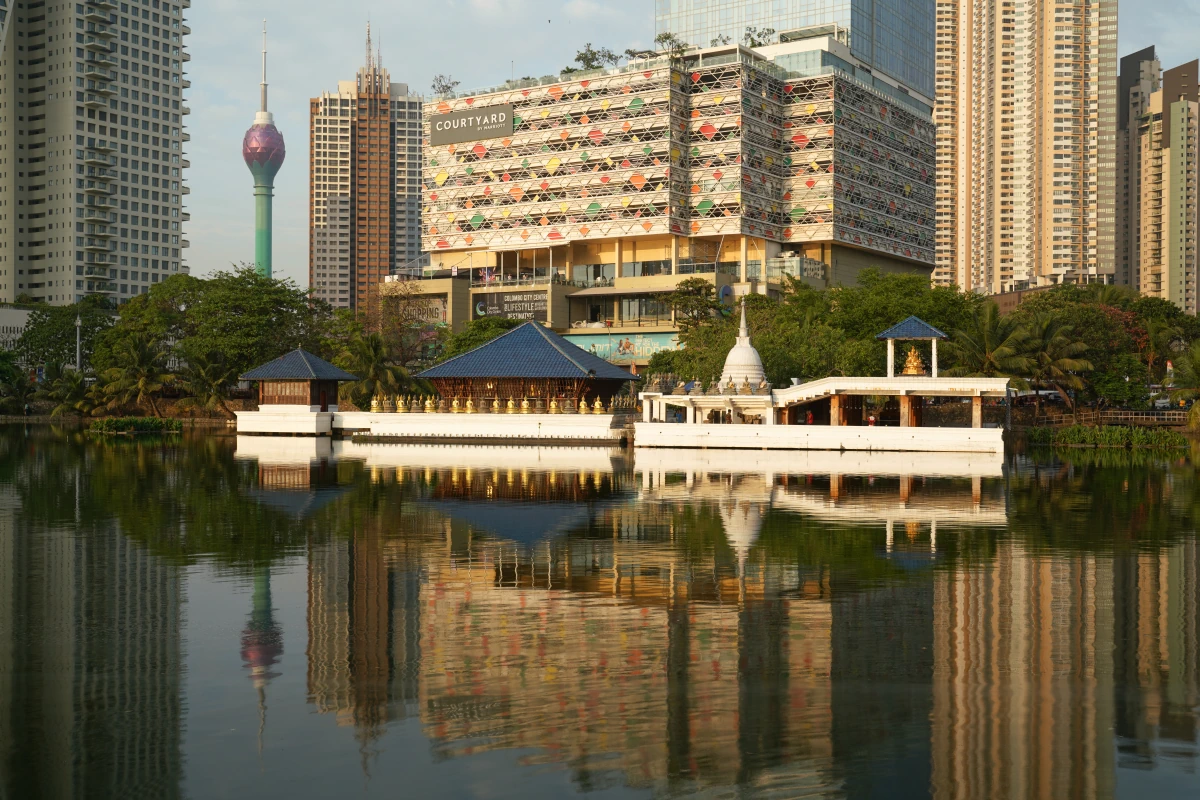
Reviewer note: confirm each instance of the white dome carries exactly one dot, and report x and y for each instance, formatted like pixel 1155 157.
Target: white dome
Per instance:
pixel 743 364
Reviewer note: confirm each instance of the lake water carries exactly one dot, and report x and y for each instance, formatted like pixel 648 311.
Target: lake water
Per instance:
pixel 213 617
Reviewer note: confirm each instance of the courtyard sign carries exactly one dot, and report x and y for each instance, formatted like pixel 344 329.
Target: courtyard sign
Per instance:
pixel 471 125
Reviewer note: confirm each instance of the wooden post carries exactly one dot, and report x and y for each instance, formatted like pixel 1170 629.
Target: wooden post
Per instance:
pixel 906 482
pixel 906 420
pixel 835 409
pixel 835 487
pixel 976 412
pixel 976 489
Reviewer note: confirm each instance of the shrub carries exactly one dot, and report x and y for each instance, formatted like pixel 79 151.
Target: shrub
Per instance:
pixel 1107 436
pixel 136 425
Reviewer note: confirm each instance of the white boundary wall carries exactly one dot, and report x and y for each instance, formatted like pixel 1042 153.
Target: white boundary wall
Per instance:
pixel 285 420
pixel 480 426
pixel 819 437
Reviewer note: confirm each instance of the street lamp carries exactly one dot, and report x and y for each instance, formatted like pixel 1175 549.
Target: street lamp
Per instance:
pixel 78 349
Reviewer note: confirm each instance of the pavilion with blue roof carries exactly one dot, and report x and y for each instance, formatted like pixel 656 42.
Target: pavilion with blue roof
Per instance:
pixel 529 361
pixel 911 329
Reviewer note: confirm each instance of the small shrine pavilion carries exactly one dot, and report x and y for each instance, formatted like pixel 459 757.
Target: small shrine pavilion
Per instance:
pixel 912 329
pixel 299 379
pixel 528 363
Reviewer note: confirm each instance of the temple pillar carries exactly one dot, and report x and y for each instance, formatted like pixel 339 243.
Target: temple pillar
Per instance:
pixel 691 415
pixel 835 410
pixel 906 483
pixel 976 412
pixel 647 405
pixel 891 358
pixel 933 366
pixel 769 415
pixel 906 420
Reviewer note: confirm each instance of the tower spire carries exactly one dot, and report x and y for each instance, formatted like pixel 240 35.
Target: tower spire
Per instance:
pixel 370 53
pixel 264 77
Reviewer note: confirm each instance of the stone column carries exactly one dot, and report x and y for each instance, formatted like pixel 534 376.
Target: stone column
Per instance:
pixel 891 358
pixel 906 420
pixel 691 414
pixel 976 412
pixel 835 409
pixel 934 365
pixel 769 415
pixel 647 404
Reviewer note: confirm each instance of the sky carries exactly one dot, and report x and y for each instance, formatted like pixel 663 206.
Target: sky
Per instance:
pixel 315 43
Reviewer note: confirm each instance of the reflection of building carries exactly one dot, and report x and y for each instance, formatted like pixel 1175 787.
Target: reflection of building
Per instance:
pixel 1023 677
pixel 90 665
pixel 1157 649
pixel 593 195
pixel 364 213
pixel 363 617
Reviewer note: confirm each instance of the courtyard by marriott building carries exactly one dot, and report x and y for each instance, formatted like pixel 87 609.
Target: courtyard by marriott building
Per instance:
pixel 578 201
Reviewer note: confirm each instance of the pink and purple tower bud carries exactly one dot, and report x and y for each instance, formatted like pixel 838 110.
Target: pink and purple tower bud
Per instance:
pixel 263 150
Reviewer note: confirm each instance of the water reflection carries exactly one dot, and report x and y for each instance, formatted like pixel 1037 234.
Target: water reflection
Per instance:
pixel 678 623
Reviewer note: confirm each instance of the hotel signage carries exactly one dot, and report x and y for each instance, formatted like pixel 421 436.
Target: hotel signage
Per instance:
pixel 471 125
pixel 510 305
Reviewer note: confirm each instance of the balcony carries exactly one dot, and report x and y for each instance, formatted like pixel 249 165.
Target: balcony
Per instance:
pixel 101 29
pixel 98 159
pixel 93 14
pixel 94 69
pixel 93 100
pixel 95 272
pixel 95 245
pixel 106 287
pixel 101 88
pixel 93 214
pixel 99 188
pixel 111 5
pixel 104 145
pixel 96 44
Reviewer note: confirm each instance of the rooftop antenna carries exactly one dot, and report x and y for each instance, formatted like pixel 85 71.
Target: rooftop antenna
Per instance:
pixel 369 64
pixel 264 80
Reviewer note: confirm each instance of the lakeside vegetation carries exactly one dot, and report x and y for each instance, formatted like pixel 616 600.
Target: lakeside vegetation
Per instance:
pixel 112 425
pixel 1107 436
pixel 180 348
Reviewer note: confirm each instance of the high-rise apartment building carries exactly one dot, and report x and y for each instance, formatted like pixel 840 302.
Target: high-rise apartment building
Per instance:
pixel 895 37
pixel 1158 174
pixel 91 147
pixel 1026 118
pixel 365 191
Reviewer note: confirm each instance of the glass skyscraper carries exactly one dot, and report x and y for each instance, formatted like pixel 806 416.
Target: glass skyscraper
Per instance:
pixel 893 36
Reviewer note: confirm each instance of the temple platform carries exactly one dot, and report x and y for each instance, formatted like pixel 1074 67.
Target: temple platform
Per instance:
pixel 819 437
pixel 484 429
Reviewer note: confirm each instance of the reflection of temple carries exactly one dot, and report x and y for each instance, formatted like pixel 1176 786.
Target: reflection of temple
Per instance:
pixel 1157 600
pixel 1023 677
pixel 89 664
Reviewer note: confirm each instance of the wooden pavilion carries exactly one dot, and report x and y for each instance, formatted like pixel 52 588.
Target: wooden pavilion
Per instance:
pixel 528 362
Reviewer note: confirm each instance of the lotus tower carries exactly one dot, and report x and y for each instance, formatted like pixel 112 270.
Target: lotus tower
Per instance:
pixel 263 151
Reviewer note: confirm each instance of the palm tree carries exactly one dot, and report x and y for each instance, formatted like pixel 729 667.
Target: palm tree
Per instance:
pixel 16 392
pixel 1185 382
pixel 1055 357
pixel 369 357
pixel 1162 339
pixel 70 393
pixel 207 379
pixel 1112 295
pixel 141 376
pixel 991 346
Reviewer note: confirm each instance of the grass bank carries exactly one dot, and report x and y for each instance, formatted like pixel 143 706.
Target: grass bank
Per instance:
pixel 1107 436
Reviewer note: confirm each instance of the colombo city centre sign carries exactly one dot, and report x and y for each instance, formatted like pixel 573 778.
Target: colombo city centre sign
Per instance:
pixel 471 125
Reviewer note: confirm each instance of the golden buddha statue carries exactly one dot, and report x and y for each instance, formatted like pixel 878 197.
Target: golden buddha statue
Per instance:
pixel 402 405
pixel 511 408
pixel 583 406
pixel 470 405
pixel 553 410
pixel 913 364
pixel 496 405
pixel 455 407
pixel 430 406
pixel 525 408
pixel 375 405
pixel 598 406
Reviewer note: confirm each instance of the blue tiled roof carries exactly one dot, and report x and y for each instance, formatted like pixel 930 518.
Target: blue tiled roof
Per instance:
pixel 298 365
pixel 912 328
pixel 528 351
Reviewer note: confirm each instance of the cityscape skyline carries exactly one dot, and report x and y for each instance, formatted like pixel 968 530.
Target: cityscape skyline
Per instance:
pixel 225 69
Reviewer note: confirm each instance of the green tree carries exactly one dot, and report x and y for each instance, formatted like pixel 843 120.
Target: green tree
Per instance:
pixel 476 333
pixel 207 379
pixel 369 358
pixel 671 45
pixel 49 335
pixel 443 85
pixel 880 300
pixel 251 319
pixel 694 301
pixel 592 58
pixel 1162 340
pixel 990 346
pixel 141 376
pixel 16 392
pixel 1123 384
pixel 164 314
pixel 1185 382
pixel 758 37
pixel 70 393
pixel 1055 356
pixel 8 366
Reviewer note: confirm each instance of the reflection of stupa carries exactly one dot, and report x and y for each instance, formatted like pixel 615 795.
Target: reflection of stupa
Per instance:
pixel 743 364
pixel 262 643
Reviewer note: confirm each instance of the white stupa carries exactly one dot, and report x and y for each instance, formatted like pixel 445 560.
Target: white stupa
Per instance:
pixel 743 364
